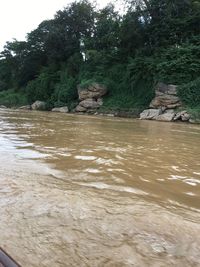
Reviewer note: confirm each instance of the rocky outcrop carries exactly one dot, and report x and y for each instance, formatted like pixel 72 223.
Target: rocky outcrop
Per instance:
pixel 93 91
pixel 164 106
pixel 167 115
pixel 150 114
pixel 90 97
pixel 165 97
pixel 61 109
pixel 38 105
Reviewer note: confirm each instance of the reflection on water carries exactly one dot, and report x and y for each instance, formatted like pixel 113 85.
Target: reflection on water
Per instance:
pixel 92 191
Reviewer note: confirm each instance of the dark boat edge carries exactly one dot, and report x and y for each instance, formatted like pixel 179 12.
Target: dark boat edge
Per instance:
pixel 6 260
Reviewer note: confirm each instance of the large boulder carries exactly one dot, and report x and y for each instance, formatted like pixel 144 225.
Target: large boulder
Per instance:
pixel 90 97
pixel 61 109
pixel 167 116
pixel 165 96
pixel 94 90
pixel 38 105
pixel 150 114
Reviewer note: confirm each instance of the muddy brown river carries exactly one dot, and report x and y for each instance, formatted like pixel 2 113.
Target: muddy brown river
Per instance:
pixel 98 191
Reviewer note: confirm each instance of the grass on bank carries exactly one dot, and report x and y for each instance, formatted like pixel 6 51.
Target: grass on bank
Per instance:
pixel 195 113
pixel 11 98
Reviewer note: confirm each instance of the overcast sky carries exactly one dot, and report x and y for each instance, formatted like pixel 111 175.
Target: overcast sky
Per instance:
pixel 18 17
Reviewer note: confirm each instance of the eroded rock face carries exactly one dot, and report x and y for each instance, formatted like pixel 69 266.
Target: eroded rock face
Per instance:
pixel 90 97
pixel 166 96
pixel 61 109
pixel 95 91
pixel 168 101
pixel 38 105
pixel 164 106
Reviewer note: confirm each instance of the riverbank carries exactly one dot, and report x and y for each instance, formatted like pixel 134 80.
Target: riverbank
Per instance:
pixel 93 98
pixel 131 114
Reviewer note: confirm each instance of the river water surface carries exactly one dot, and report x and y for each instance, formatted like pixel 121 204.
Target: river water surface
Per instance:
pixel 95 191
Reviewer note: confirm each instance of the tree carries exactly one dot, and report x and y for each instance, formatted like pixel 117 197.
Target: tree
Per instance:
pixel 168 22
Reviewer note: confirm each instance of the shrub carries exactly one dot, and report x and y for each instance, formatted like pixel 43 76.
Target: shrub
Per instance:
pixel 190 93
pixel 43 86
pixel 195 113
pixel 65 91
pixel 11 98
pixel 86 82
pixel 178 65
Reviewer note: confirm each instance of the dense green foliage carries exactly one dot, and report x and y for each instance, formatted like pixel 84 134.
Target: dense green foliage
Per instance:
pixel 154 40
pixel 11 98
pixel 190 93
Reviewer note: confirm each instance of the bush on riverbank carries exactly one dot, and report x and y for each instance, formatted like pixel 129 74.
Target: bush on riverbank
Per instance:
pixel 11 98
pixel 195 113
pixel 190 93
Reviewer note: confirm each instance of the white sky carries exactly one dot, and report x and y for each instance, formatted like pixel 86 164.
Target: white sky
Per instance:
pixel 18 17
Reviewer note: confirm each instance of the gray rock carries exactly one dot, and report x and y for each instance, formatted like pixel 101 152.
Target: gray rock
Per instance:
pixel 167 116
pixel 89 104
pixel 170 111
pixel 186 116
pixel 178 116
pixel 182 115
pixel 80 109
pixel 38 105
pixel 150 114
pixel 61 109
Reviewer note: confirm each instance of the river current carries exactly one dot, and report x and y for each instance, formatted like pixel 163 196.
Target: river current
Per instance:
pixel 98 191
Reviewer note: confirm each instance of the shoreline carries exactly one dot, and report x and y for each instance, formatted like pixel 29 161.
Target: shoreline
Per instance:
pixel 112 114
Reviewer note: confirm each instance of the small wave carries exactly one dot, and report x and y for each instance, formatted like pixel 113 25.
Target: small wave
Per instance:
pixel 99 185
